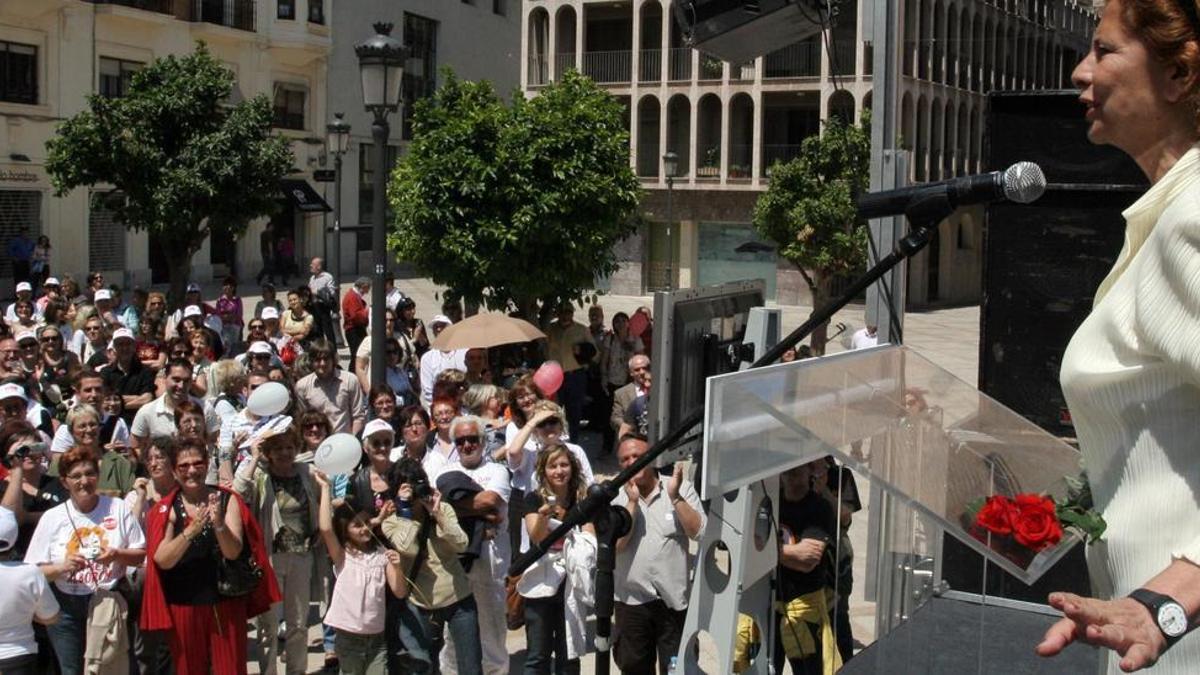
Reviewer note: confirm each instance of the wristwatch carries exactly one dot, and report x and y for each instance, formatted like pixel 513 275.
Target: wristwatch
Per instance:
pixel 1170 616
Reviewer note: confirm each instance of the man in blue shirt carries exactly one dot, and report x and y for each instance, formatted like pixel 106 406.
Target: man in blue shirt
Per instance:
pixel 20 250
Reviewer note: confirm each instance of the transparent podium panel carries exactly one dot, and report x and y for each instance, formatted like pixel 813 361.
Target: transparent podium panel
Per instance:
pixel 934 443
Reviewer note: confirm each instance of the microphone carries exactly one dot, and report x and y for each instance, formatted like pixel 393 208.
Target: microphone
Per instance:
pixel 1022 182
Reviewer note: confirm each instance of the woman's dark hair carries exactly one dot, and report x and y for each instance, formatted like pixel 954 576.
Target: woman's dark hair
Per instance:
pixel 55 309
pixel 448 391
pixel 230 281
pixel 380 390
pixel 524 385
pixel 69 459
pixel 178 342
pixel 309 417
pixel 174 449
pixel 322 347
pixel 343 515
pixel 187 407
pixel 407 470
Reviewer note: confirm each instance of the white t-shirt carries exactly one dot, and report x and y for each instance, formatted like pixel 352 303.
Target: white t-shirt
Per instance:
pixel 64 441
pixel 862 339
pixel 434 362
pixel 493 477
pixel 63 529
pixel 26 595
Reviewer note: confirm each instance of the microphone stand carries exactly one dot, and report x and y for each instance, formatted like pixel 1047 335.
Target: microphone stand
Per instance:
pixel 613 522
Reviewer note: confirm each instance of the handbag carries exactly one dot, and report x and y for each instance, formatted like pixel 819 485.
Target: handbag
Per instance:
pixel 514 604
pixel 238 577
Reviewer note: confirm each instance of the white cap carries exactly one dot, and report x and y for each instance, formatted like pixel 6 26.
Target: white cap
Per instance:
pixel 103 294
pixel 122 333
pixel 440 318
pixel 51 281
pixel 266 427
pixel 24 286
pixel 260 347
pixel 12 390
pixel 269 313
pixel 378 426
pixel 193 287
pixel 8 529
pixel 192 310
pixel 26 335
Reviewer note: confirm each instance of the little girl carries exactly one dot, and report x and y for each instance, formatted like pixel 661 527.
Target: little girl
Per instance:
pixel 357 608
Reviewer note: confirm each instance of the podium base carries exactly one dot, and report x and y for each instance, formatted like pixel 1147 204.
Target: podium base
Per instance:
pixel 956 634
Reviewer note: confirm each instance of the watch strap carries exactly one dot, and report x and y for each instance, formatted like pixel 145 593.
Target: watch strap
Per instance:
pixel 1153 601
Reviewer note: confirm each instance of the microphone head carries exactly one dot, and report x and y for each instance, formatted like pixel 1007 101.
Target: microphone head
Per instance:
pixel 1024 182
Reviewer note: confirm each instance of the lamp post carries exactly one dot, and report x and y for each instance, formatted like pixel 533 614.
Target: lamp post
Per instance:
pixel 670 166
pixel 338 142
pixel 381 67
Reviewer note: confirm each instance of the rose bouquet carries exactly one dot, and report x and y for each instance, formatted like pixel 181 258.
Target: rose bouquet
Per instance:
pixel 1026 524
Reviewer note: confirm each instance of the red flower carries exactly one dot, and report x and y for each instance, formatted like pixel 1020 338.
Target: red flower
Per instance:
pixel 996 515
pixel 1035 522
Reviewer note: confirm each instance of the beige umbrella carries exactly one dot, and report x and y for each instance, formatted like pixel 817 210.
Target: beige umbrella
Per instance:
pixel 486 330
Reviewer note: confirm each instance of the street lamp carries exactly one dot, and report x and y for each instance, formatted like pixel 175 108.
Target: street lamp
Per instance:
pixel 338 142
pixel 670 166
pixel 381 67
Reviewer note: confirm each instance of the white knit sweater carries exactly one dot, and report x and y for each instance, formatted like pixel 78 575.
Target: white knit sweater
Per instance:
pixel 1131 376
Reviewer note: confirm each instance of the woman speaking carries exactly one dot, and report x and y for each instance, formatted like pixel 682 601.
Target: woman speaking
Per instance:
pixel 1131 373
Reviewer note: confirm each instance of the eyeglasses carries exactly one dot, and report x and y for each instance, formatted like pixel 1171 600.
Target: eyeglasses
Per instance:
pixel 188 466
pixel 256 326
pixel 80 476
pixel 472 439
pixel 51 338
pixel 29 345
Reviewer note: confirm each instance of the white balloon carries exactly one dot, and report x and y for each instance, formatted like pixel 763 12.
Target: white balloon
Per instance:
pixel 338 454
pixel 271 398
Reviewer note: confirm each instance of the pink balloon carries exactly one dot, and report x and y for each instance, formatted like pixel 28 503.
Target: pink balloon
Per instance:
pixel 549 377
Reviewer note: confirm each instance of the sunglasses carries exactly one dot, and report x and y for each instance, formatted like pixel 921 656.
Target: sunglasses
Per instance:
pixel 467 440
pixel 256 326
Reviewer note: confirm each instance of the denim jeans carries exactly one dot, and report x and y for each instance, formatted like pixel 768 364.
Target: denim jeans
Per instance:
pixel 361 654
pixel 462 619
pixel 407 644
pixel 546 636
pixel 67 635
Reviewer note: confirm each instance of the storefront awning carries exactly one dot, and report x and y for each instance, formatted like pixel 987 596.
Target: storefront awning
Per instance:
pixel 302 196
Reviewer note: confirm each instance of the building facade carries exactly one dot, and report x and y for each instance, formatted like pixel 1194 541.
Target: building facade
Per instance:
pixel 729 123
pixel 477 39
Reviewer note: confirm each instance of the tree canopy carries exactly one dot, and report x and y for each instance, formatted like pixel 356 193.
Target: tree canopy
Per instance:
pixel 181 161
pixel 809 211
pixel 519 204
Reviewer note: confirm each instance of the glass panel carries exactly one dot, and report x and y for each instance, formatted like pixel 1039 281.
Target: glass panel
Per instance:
pixel 929 439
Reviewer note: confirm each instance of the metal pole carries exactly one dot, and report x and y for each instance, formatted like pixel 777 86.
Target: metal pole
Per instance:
pixel 670 246
pixel 379 132
pixel 337 223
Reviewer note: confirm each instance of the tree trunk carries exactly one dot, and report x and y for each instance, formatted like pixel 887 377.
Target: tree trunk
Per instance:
pixel 820 289
pixel 179 261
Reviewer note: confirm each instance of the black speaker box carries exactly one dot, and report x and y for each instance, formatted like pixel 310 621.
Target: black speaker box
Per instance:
pixel 1042 263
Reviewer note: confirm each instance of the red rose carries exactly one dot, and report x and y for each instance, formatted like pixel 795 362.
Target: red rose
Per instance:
pixel 996 515
pixel 1035 522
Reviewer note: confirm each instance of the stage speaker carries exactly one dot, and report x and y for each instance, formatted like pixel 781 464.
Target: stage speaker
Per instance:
pixel 1042 263
pixel 738 31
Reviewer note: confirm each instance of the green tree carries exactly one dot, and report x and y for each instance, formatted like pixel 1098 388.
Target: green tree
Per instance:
pixel 809 213
pixel 515 206
pixel 182 163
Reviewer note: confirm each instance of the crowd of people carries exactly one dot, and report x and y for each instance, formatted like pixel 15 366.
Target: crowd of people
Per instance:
pixel 155 523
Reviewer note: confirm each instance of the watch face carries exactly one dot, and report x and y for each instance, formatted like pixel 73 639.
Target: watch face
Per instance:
pixel 1172 620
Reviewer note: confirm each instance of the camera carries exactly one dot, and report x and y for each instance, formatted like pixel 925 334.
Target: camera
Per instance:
pixel 421 488
pixel 23 452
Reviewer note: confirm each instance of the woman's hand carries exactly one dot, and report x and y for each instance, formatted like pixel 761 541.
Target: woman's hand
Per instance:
pixel 388 509
pixel 1123 625
pixel 72 564
pixel 539 417
pixel 216 507
pixel 199 522
pixel 321 479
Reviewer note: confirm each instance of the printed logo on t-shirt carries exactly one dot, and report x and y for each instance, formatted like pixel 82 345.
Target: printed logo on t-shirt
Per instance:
pixel 110 523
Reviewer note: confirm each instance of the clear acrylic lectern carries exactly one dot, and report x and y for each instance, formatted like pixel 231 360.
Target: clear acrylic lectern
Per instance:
pixel 934 445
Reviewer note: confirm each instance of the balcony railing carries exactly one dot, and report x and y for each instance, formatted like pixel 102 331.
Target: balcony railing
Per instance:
pixel 650 65
pixel 679 64
pixel 741 158
pixel 843 57
pixel 742 73
pixel 613 66
pixel 563 61
pixel 802 59
pixel 160 6
pixel 538 70
pixel 778 153
pixel 711 67
pixel 237 14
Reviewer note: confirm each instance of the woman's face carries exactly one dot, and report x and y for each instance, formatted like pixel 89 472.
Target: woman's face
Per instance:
pixel 191 469
pixel 24 310
pixel 31 461
pixel 549 431
pixel 1130 96
pixel 199 342
pixel 415 431
pixel 558 472
pixel 385 406
pixel 443 414
pixel 494 407
pixel 52 343
pixel 525 401
pixel 314 433
pixel 282 456
pixel 70 313
pixel 156 464
pixel 379 446
pixel 294 303
pixel 228 290
pixel 81 481
pixel 86 430
pixel 191 424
